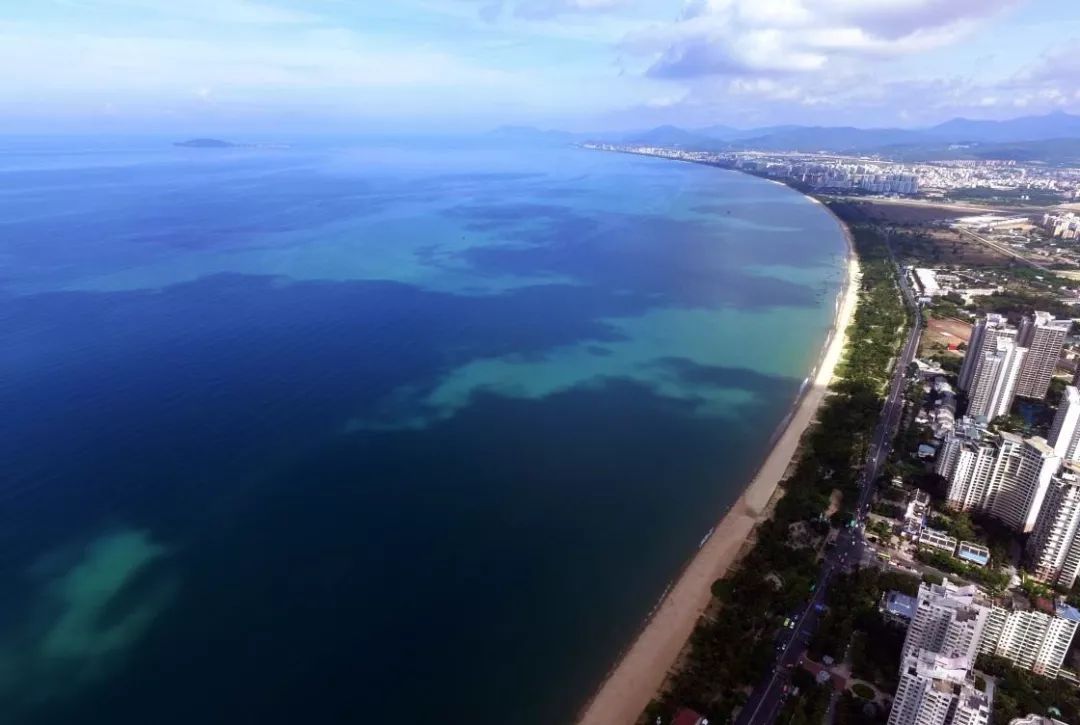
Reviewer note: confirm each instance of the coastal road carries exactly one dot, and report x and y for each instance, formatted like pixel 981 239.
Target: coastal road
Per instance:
pixel 768 697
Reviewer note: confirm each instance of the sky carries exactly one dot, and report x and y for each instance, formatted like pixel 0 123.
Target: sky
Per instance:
pixel 582 65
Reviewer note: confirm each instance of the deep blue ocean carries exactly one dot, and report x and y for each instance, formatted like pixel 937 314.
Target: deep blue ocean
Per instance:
pixel 372 431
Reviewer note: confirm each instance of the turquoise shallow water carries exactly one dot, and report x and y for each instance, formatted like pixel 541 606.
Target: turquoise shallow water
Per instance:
pixel 359 430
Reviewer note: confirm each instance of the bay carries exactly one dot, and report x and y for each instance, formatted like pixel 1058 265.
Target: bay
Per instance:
pixel 356 430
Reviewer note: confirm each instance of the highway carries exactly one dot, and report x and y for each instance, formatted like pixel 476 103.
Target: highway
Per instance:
pixel 768 697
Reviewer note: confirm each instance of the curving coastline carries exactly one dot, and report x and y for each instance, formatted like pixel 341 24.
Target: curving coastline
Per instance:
pixel 642 668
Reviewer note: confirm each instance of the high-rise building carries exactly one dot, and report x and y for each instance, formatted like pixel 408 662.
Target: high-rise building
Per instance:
pixel 938 690
pixel 984 337
pixel 994 383
pixel 1043 336
pixel 968 453
pixel 1034 638
pixel 1023 473
pixel 1064 435
pixel 947 620
pixel 1001 474
pixel 1053 551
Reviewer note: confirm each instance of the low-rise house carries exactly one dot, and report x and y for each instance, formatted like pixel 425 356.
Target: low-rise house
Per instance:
pixel 972 553
pixel 934 539
pixel 897 607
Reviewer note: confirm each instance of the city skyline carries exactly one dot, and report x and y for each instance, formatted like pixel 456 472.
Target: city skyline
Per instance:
pixel 461 65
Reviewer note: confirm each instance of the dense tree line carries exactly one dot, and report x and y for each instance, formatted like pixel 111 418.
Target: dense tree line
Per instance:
pixel 1014 304
pixel 1019 692
pixel 853 619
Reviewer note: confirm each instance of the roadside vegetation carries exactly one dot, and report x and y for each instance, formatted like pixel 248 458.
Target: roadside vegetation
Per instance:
pixel 1019 692
pixel 853 626
pixel 994 580
pixel 736 640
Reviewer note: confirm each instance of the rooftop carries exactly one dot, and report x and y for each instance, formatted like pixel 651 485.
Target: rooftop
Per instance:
pixel 1068 612
pixel 900 604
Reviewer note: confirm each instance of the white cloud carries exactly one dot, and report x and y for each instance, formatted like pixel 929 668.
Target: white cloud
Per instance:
pixel 729 37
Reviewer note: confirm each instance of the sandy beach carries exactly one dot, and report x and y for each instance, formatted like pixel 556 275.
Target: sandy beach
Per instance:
pixel 638 676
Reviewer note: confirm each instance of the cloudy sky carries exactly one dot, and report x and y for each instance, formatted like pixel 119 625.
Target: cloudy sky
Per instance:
pixel 576 64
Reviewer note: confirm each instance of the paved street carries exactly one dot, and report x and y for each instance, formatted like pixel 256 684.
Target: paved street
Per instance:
pixel 768 697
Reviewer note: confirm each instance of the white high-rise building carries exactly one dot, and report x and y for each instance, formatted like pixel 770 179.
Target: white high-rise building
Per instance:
pixel 938 690
pixel 1001 474
pixel 983 340
pixel 1043 336
pixel 993 387
pixel 1064 435
pixel 968 444
pixel 1031 638
pixel 967 459
pixel 1022 476
pixel 948 620
pixel 1053 551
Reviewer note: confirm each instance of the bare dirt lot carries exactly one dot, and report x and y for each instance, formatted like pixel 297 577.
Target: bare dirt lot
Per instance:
pixel 945 331
pixel 908 211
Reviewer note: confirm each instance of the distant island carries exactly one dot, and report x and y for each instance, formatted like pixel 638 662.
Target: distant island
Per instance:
pixel 207 143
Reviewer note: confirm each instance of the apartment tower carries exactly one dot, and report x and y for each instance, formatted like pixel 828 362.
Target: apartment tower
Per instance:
pixel 1064 435
pixel 1001 474
pixel 994 383
pixel 948 620
pixel 1053 551
pixel 938 690
pixel 1043 336
pixel 984 337
pixel 1034 638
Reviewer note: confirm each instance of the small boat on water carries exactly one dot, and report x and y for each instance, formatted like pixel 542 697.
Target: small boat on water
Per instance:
pixel 706 537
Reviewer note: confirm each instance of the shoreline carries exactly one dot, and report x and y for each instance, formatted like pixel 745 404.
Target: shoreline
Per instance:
pixel 643 668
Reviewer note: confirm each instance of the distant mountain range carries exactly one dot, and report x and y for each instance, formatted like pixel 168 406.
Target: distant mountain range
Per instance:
pixel 216 143
pixel 1026 128
pixel 1053 138
pixel 206 143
